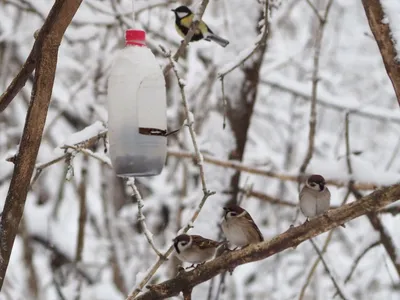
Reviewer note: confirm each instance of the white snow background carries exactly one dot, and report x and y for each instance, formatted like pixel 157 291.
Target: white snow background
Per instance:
pixel 352 79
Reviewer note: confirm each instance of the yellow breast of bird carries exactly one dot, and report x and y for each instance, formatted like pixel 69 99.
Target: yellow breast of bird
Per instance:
pixel 187 22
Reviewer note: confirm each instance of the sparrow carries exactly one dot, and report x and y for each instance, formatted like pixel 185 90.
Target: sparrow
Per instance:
pixel 194 249
pixel 183 21
pixel 315 197
pixel 239 227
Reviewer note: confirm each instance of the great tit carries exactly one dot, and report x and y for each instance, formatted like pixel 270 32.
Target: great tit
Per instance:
pixel 183 20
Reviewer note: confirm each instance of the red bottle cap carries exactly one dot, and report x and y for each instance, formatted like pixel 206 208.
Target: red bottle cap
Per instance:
pixel 135 37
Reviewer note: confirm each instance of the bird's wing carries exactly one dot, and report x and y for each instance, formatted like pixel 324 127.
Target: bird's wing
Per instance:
pixel 253 224
pixel 324 200
pixel 204 243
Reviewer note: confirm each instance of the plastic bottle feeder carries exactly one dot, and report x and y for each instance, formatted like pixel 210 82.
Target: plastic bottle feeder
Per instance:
pixel 137 110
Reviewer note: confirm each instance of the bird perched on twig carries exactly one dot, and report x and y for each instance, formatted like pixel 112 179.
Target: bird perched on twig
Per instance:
pixel 194 249
pixel 239 227
pixel 183 21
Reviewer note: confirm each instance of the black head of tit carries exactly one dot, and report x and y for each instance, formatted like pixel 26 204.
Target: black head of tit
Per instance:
pixel 183 20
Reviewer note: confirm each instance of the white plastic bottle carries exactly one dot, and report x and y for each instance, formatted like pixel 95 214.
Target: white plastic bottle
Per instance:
pixel 137 106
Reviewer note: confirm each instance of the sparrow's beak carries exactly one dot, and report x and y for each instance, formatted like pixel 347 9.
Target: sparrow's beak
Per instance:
pixel 173 10
pixel 225 208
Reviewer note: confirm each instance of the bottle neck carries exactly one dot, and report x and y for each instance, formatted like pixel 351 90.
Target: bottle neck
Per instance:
pixel 139 43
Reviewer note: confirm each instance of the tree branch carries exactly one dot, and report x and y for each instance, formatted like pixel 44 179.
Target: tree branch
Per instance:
pixel 385 238
pixel 291 238
pixel 52 32
pixel 328 271
pixel 232 164
pixel 358 258
pixel 130 181
pixel 382 34
pixel 315 79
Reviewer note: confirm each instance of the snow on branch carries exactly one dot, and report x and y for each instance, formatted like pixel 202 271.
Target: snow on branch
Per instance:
pixel 339 102
pixel 291 238
pixel 385 39
pixel 141 218
pixel 248 52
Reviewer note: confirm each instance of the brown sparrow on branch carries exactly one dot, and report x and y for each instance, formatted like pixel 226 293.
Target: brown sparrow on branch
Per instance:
pixel 194 249
pixel 315 197
pixel 239 227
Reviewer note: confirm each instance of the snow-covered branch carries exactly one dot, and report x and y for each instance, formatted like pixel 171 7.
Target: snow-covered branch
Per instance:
pixel 141 218
pixel 245 54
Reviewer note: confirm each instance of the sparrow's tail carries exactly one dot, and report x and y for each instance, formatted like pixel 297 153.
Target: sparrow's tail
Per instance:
pixel 215 38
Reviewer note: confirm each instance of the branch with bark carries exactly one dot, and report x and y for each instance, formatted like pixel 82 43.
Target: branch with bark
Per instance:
pixel 381 31
pixel 289 239
pixel 51 32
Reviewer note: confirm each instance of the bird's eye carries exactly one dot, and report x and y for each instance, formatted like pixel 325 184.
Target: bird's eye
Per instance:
pixel 183 243
pixel 313 184
pixel 233 214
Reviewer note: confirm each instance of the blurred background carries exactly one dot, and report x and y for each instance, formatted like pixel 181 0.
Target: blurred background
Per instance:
pixel 268 112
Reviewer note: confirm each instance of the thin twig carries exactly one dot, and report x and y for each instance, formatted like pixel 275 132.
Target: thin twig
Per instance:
pixel 260 40
pixel 28 260
pixel 315 10
pixel 81 223
pixel 385 237
pixel 315 79
pixel 348 152
pixel 358 258
pixel 224 102
pixel 141 218
pixel 339 103
pixel 232 164
pixel 189 122
pixel 193 27
pixel 112 236
pixel 338 288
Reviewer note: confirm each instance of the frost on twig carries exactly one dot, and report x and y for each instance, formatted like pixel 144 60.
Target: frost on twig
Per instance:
pixel 149 236
pixel 315 79
pixel 248 52
pixel 190 121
